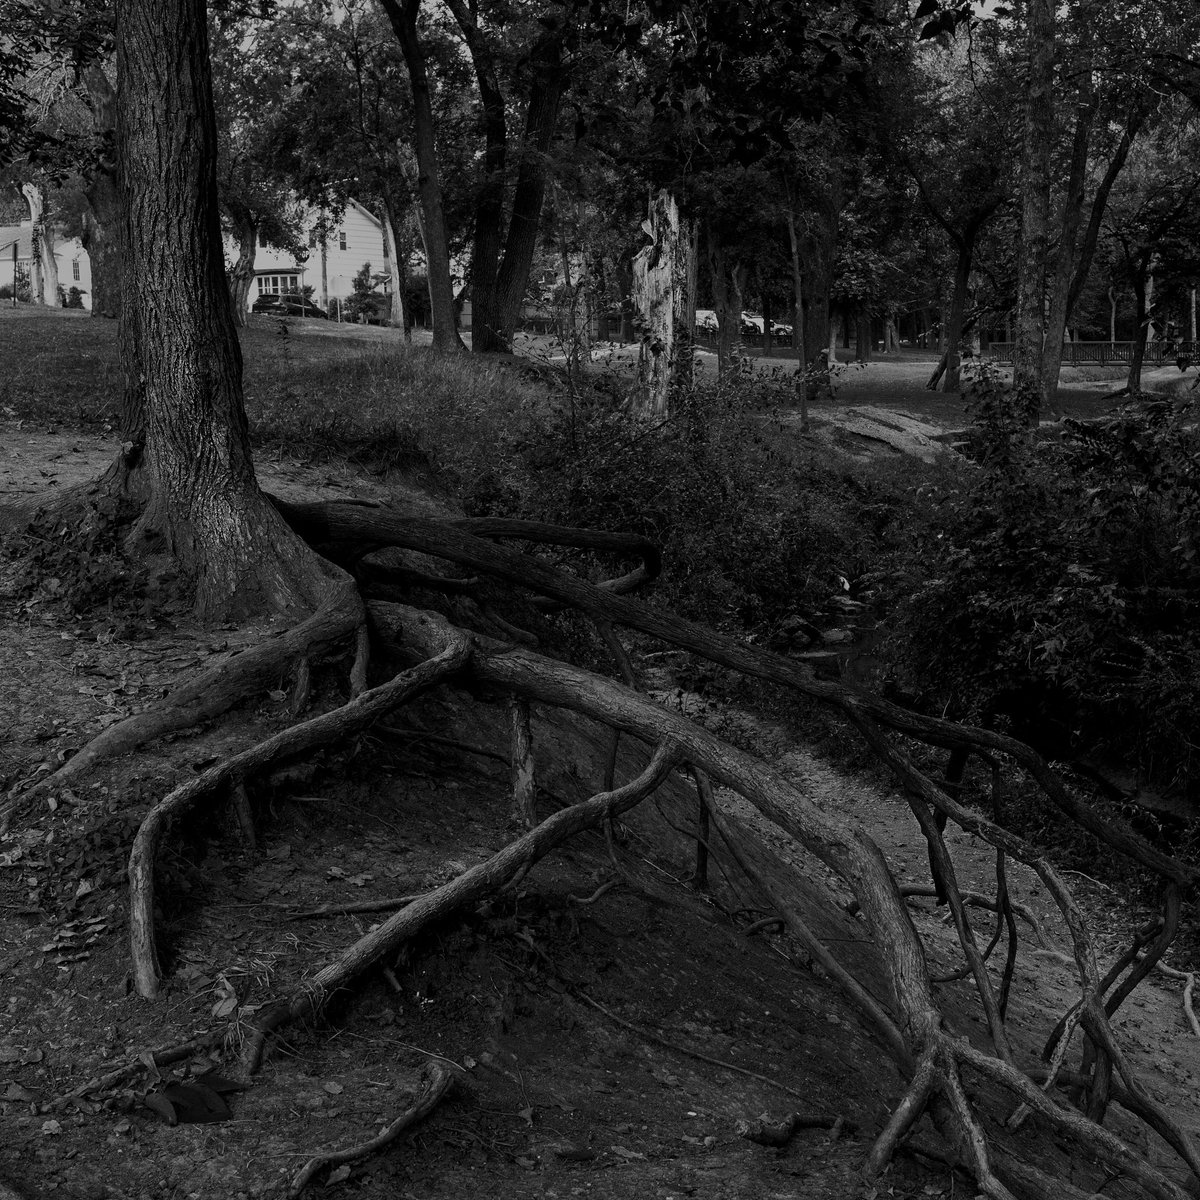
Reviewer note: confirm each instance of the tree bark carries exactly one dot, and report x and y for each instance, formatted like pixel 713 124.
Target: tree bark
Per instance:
pixel 43 266
pixel 728 283
pixel 102 223
pixel 205 509
pixel 391 222
pixel 1028 367
pixel 798 334
pixel 241 275
pixel 664 292
pixel 1141 307
pixel 958 307
pixel 403 17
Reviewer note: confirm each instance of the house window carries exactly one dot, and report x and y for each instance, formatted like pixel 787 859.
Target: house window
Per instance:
pixel 341 239
pixel 75 269
pixel 274 285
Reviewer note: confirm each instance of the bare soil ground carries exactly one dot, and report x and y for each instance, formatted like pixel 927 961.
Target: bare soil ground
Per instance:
pixel 564 1100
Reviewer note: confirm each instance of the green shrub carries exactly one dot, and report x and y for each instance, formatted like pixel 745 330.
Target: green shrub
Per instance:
pixel 1060 595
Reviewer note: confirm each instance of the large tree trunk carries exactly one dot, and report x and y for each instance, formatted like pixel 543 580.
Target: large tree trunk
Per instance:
pixel 1028 371
pixel 664 293
pixel 241 275
pixel 528 196
pixel 205 509
pixel 403 16
pixel 44 266
pixel 102 223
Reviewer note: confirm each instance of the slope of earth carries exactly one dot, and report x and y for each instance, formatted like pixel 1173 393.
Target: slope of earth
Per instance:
pixel 577 1014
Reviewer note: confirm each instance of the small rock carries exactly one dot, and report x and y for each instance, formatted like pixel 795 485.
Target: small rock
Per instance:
pixel 837 637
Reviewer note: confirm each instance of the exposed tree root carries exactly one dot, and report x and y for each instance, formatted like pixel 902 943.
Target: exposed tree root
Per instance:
pixel 331 523
pixel 438 1080
pixel 150 1060
pixel 480 881
pixel 847 849
pixel 211 692
pixel 359 906
pixel 321 730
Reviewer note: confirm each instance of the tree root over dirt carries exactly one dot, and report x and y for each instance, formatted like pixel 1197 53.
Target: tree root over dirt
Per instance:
pixel 438 1081
pixel 934 1059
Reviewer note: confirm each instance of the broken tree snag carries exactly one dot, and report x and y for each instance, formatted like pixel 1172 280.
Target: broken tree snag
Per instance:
pixel 664 273
pixel 482 880
pixel 914 1031
pixel 524 785
pixel 438 1080
pixel 319 731
pixel 331 522
pixel 214 691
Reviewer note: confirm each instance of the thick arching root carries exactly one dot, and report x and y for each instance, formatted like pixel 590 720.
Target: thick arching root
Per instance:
pixel 319 731
pixel 212 692
pixel 913 1030
pixel 473 885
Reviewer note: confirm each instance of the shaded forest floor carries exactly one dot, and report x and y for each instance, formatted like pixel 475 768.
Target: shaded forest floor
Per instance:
pixel 564 1100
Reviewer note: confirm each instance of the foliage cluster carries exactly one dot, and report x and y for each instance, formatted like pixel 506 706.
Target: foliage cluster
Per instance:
pixel 1059 595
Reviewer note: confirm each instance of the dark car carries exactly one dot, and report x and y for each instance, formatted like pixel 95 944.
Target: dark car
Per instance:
pixel 288 304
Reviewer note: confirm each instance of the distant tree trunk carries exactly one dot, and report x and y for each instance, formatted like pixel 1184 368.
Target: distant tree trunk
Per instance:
pixel 798 338
pixel 728 283
pixel 1133 380
pixel 1112 313
pixel 958 307
pixel 205 510
pixel 498 285
pixel 102 222
pixel 1072 219
pixel 391 219
pixel 891 335
pixel 44 266
pixel 862 336
pixel 241 275
pixel 1028 373
pixel 663 291
pixel 403 17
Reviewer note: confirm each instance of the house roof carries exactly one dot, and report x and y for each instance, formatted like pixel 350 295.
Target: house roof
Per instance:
pixel 22 235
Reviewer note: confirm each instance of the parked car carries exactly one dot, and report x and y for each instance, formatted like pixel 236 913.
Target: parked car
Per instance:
pixel 288 304
pixel 752 323
pixel 706 321
pixel 780 330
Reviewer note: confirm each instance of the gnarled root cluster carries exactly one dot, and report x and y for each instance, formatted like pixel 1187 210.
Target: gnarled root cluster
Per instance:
pixel 936 1061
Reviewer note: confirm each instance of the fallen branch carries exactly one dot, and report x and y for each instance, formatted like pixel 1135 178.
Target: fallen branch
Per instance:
pixel 438 1082
pixel 150 1060
pixel 320 730
pixel 778 1131
pixel 481 880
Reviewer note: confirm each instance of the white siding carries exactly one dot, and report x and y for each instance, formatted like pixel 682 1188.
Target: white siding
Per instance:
pixel 359 232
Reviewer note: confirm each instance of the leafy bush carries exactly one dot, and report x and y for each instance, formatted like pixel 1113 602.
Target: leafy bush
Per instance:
pixel 1060 596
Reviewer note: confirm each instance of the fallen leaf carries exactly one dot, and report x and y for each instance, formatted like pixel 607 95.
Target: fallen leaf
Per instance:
pixel 16 1092
pixel 621 1152
pixel 338 1175
pixel 51 1129
pixel 333 1087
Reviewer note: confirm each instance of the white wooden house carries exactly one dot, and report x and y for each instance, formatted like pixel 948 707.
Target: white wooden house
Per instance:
pixel 329 270
pixel 74 266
